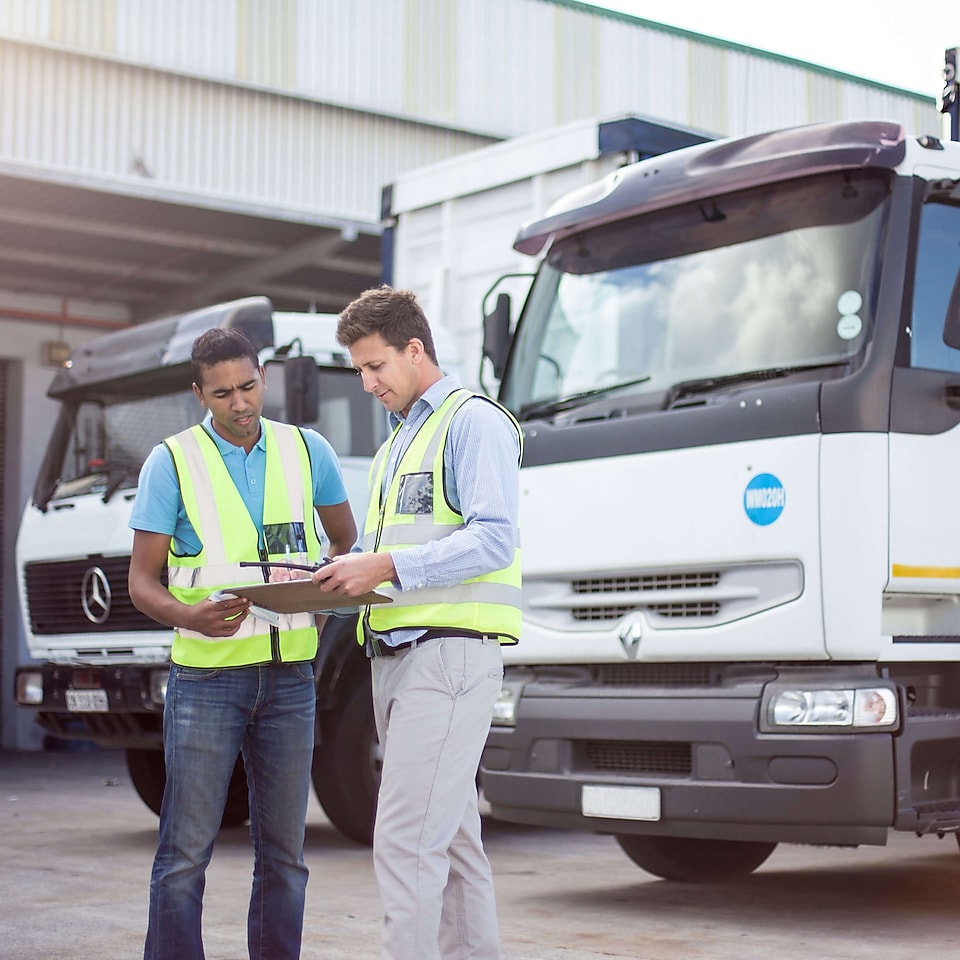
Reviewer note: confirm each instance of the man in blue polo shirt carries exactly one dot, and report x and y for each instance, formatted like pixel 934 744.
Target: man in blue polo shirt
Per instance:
pixel 235 488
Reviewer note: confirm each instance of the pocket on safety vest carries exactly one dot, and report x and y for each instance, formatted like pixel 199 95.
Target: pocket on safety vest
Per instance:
pixel 416 493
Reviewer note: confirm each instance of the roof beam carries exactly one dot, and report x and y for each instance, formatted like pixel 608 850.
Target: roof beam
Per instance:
pixel 318 297
pixel 321 250
pixel 97 267
pixel 67 289
pixel 116 230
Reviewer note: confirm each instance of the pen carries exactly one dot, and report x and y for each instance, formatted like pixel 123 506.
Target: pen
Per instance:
pixel 285 565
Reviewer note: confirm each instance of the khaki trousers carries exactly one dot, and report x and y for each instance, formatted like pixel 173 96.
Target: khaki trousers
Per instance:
pixel 433 705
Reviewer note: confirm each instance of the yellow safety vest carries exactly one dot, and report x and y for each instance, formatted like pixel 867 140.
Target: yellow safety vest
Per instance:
pixel 209 496
pixel 415 511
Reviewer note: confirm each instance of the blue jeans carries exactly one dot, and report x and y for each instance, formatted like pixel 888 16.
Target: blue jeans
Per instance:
pixel 267 713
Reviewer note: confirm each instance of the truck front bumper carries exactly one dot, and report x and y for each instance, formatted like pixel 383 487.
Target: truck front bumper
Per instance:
pixel 695 763
pixel 117 705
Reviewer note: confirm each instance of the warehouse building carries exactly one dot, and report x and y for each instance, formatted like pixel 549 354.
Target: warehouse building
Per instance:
pixel 160 155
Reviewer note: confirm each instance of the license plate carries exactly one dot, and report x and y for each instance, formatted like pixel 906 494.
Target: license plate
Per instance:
pixel 620 803
pixel 87 701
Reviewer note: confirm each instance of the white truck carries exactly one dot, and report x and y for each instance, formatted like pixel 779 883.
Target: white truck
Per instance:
pixel 738 376
pixel 101 665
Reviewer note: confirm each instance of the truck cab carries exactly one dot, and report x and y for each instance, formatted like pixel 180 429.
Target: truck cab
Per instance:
pixel 737 372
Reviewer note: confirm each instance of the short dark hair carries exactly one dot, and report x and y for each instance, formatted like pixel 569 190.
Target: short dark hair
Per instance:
pixel 218 345
pixel 394 314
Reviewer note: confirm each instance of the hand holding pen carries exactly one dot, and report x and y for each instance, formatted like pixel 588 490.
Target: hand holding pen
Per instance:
pixel 281 570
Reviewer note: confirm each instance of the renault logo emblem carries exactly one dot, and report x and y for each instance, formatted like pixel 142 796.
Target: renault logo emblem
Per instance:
pixel 95 595
pixel 630 634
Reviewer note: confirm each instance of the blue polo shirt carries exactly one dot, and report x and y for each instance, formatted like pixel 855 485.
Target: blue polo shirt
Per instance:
pixel 159 507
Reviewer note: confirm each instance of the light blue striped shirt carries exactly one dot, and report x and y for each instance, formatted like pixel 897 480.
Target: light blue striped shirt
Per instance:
pixel 481 462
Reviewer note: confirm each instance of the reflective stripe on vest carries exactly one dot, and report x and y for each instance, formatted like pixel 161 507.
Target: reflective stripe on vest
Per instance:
pixel 487 604
pixel 209 494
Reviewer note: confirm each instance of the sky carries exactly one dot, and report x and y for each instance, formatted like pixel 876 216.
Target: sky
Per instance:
pixel 879 40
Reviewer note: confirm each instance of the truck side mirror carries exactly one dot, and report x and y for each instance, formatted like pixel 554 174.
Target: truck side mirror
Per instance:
pixel 496 334
pixel 300 389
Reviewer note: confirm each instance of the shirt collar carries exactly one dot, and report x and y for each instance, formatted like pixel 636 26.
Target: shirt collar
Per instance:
pixel 225 446
pixel 429 400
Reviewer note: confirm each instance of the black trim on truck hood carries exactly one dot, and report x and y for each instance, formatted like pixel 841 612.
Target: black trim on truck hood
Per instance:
pixel 713 168
pixel 744 414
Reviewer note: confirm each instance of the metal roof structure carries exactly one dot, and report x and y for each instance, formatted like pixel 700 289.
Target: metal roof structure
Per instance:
pixel 159 251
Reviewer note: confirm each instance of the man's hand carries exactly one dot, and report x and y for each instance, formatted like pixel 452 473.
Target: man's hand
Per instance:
pixel 213 618
pixel 217 618
pixel 354 574
pixel 283 574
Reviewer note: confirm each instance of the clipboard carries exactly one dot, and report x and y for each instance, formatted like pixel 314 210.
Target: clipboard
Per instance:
pixel 300 596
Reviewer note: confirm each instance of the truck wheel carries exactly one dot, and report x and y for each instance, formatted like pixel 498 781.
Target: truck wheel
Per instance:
pixel 690 860
pixel 149 776
pixel 346 764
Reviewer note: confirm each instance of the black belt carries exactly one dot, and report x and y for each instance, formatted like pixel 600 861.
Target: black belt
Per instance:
pixel 375 648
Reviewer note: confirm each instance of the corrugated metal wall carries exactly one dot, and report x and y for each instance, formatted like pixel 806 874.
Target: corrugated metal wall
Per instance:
pixel 118 120
pixel 315 104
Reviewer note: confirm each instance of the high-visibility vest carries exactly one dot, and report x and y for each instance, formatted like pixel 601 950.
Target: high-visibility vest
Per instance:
pixel 414 512
pixel 228 535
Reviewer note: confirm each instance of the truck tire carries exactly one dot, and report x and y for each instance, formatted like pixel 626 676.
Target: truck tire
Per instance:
pixel 149 776
pixel 346 764
pixel 691 860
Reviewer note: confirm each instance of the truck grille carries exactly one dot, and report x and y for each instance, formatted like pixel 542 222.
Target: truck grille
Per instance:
pixel 623 756
pixel 640 584
pixel 70 596
pixel 690 580
pixel 657 674
pixel 666 598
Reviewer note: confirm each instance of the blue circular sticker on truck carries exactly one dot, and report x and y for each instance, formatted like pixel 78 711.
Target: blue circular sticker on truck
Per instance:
pixel 764 499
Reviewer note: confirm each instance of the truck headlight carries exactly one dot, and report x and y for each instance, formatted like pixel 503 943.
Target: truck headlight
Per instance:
pixel 860 708
pixel 505 709
pixel 158 686
pixel 29 688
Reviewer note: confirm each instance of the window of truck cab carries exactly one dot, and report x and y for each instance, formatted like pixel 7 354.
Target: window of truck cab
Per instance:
pixel 101 441
pixel 937 265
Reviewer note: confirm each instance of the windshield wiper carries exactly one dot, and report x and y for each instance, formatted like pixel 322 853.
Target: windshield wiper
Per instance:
pixel 686 388
pixel 119 476
pixel 556 404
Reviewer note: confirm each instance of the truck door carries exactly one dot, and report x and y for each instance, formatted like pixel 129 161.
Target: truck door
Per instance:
pixel 924 561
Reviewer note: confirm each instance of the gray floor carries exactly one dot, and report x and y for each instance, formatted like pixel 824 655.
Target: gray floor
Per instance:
pixel 77 846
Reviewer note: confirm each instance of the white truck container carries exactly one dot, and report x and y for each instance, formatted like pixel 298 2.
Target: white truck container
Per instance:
pixel 738 376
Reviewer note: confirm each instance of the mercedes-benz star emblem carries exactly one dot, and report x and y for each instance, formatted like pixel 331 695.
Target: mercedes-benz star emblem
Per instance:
pixel 95 595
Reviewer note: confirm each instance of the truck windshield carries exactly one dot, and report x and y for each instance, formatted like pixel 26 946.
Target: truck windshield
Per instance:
pixel 99 447
pixel 763 281
pixel 100 441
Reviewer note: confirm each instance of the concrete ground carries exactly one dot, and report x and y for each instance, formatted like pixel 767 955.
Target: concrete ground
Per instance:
pixel 76 846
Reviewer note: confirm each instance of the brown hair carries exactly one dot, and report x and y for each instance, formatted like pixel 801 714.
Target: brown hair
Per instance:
pixel 394 314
